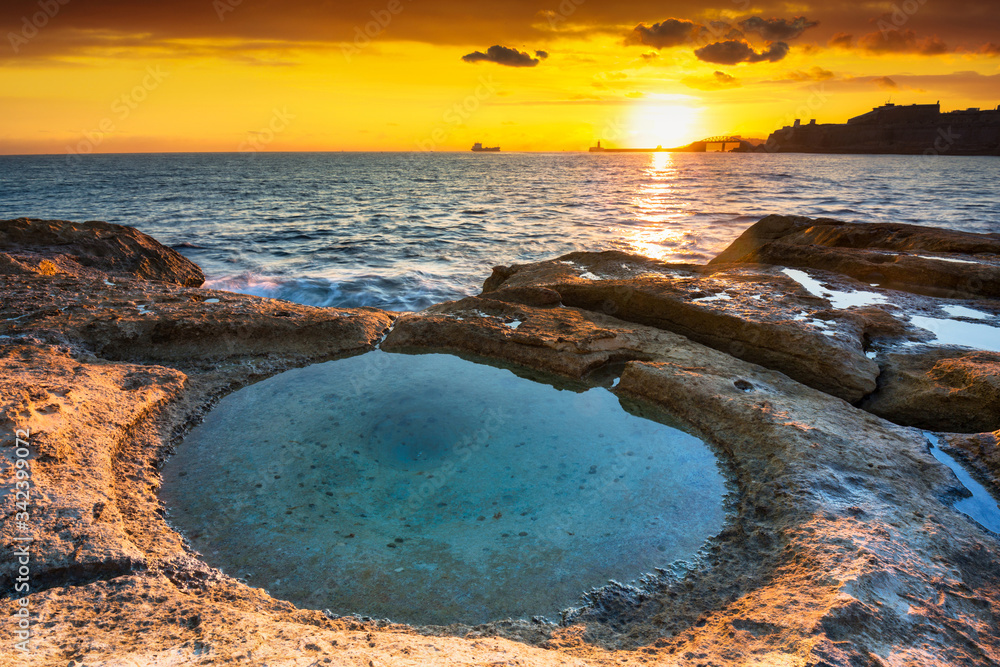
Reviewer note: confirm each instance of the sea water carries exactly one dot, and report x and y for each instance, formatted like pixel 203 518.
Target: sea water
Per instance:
pixel 406 230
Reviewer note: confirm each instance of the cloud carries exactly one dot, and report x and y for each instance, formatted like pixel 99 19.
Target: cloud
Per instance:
pixel 814 74
pixel 541 55
pixel 734 51
pixel 902 41
pixel 610 80
pixel 663 35
pixel 991 49
pixel 502 55
pixel 841 40
pixel 777 30
pixel 718 81
pixel 885 82
pixel 98 28
pixel 652 55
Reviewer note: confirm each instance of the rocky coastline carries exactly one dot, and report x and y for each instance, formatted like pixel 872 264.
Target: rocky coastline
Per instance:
pixel 815 355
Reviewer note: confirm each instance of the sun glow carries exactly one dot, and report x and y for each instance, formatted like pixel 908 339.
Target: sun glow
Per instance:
pixel 666 125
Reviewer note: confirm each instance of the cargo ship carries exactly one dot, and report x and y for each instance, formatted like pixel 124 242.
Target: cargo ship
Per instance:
pixel 479 148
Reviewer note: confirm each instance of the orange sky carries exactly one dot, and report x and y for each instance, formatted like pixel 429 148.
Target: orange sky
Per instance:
pixel 230 75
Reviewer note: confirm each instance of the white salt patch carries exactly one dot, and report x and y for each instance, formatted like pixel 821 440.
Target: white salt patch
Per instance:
pixel 515 324
pixel 960 334
pixel 948 259
pixel 839 300
pixel 721 296
pixel 211 301
pixel 962 311
pixel 143 310
pixel 590 276
pixel 108 283
pixel 871 354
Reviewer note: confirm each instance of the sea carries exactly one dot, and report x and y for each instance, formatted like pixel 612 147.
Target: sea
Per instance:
pixel 403 231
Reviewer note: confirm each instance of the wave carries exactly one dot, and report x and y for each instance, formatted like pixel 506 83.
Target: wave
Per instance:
pixel 404 293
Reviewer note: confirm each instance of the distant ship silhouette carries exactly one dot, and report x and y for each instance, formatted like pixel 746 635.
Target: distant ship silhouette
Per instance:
pixel 479 148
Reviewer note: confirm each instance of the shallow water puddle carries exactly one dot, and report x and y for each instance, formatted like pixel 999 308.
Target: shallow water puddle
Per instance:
pixel 838 299
pixel 962 311
pixel 430 489
pixel 957 333
pixel 981 507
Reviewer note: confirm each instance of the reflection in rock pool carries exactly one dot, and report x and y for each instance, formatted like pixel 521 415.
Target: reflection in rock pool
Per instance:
pixel 430 489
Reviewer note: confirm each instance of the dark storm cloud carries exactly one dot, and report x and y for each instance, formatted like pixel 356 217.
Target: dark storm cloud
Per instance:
pixel 502 55
pixel 82 25
pixel 665 34
pixel 735 51
pixel 777 30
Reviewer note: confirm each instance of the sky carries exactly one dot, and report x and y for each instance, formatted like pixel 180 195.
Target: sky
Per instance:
pixel 110 76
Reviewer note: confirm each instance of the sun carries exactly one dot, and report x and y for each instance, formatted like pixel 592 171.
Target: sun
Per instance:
pixel 666 125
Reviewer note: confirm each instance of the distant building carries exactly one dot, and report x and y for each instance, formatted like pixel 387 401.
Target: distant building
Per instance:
pixel 916 129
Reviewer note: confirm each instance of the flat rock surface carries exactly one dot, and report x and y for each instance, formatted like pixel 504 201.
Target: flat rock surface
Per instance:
pixel 924 260
pixel 887 350
pixel 842 547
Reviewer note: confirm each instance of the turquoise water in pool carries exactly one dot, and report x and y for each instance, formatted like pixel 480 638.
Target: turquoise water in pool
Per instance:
pixel 429 489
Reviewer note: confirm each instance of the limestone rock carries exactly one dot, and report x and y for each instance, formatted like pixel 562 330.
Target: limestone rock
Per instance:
pixel 47 247
pixel 755 314
pixel 129 319
pixel 840 550
pixel 981 451
pixel 76 416
pixel 922 260
pixel 942 390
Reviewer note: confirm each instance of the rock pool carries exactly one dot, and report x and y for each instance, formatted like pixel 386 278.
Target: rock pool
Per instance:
pixel 430 489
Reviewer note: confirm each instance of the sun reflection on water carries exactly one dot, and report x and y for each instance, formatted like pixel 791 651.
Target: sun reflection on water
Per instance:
pixel 659 228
